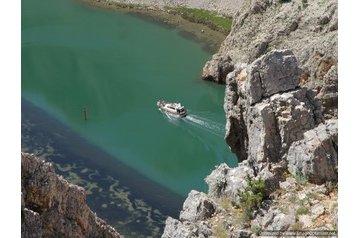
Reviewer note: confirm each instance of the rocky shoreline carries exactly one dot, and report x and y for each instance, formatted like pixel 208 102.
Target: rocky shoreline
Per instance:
pixel 202 33
pixel 226 7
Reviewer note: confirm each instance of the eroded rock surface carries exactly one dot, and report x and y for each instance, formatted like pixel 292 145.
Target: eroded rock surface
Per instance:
pixel 52 207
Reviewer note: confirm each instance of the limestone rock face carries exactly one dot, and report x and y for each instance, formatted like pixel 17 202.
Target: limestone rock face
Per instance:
pixel 274 72
pixel 52 207
pixel 197 207
pixel 272 120
pixel 316 155
pixel 266 110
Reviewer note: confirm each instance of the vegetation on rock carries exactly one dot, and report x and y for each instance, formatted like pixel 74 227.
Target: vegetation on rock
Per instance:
pixel 209 18
pixel 252 197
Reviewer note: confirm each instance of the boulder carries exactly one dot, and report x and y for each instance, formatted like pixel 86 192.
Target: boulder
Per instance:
pixel 197 207
pixel 282 222
pixel 316 155
pixel 270 179
pixel 225 181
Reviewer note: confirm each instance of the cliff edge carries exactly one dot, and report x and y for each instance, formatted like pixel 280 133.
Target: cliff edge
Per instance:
pixel 52 207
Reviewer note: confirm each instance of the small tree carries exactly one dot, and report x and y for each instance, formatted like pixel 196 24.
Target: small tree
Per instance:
pixel 252 197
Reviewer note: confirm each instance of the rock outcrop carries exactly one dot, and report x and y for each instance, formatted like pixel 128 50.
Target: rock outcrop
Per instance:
pixel 272 120
pixel 308 28
pixel 52 207
pixel 316 155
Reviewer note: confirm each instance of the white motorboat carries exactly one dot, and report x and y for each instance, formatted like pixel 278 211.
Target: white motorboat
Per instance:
pixel 175 109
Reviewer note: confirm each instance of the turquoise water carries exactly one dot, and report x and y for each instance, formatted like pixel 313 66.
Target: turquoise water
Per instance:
pixel 117 66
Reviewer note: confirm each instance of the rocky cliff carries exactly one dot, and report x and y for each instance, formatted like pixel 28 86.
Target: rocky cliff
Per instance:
pixel 52 207
pixel 308 28
pixel 279 64
pixel 287 177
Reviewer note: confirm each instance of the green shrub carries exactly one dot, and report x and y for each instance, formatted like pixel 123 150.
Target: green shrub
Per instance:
pixel 256 229
pixel 296 226
pixel 302 211
pixel 220 231
pixel 252 197
pixel 301 179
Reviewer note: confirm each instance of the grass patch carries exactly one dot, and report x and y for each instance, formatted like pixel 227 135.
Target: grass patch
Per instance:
pixel 209 18
pixel 296 226
pixel 226 203
pixel 301 179
pixel 301 211
pixel 219 230
pixel 256 229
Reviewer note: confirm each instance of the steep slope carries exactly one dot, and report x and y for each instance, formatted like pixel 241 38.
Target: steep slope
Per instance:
pixel 52 207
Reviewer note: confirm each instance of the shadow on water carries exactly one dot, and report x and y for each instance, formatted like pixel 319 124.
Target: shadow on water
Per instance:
pixel 130 202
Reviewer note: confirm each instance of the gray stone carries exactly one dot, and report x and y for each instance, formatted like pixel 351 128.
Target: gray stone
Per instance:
pixel 176 229
pixel 239 233
pixel 203 229
pixel 271 180
pixel 274 72
pixel 282 222
pixel 306 221
pixel 258 6
pixel 197 207
pixel 289 183
pixel 268 218
pixel 317 210
pixel 316 155
pixel 225 181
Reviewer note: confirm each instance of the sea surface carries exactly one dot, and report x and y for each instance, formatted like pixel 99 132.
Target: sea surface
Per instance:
pixel 90 82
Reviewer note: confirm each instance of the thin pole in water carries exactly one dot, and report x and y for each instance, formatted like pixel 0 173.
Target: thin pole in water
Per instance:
pixel 85 113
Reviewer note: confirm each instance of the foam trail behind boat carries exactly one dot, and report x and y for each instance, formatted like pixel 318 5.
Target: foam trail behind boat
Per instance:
pixel 205 124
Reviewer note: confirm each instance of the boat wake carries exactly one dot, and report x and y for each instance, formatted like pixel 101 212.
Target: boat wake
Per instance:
pixel 206 124
pixel 197 120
